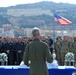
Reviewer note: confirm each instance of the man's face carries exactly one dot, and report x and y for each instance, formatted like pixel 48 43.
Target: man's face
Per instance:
pixel 19 39
pixel 9 40
pixel 49 37
pixel 65 37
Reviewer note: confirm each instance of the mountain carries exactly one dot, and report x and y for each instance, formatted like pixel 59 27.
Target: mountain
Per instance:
pixel 65 9
pixel 43 5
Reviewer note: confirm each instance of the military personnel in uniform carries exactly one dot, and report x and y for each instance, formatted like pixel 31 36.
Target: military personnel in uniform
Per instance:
pixel 10 52
pixel 44 39
pixel 71 40
pixel 50 43
pixel 5 45
pixel 37 52
pixel 1 45
pixel 57 47
pixel 64 48
pixel 74 48
pixel 19 47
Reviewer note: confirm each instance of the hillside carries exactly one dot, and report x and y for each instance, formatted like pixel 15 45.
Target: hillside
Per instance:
pixel 64 9
pixel 43 5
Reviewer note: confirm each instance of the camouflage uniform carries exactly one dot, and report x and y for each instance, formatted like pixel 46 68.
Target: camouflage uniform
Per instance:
pixel 74 49
pixel 57 47
pixel 64 49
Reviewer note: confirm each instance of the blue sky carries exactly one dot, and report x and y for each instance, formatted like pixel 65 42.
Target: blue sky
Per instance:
pixel 5 3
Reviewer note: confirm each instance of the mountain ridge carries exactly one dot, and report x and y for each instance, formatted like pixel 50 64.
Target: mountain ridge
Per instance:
pixel 38 5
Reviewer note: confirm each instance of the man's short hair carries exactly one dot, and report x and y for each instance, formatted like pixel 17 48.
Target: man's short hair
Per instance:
pixel 35 31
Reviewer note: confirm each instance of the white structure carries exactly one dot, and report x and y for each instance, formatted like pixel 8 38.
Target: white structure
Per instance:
pixel 27 12
pixel 1 31
pixel 28 32
pixel 8 33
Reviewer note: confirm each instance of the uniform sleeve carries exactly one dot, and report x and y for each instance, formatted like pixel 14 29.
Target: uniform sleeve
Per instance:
pixel 26 56
pixel 48 55
pixel 54 45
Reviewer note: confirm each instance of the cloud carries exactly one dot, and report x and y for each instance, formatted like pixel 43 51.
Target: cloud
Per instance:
pixel 5 3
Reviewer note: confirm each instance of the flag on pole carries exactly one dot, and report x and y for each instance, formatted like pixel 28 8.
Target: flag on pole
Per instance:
pixel 61 20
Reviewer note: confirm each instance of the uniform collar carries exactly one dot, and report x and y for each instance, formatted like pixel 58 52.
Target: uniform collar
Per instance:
pixel 35 39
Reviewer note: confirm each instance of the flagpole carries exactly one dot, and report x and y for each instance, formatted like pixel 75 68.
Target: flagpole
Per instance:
pixel 53 26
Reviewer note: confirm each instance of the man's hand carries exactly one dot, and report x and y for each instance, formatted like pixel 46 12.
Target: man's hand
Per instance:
pixel 19 51
pixel 7 51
